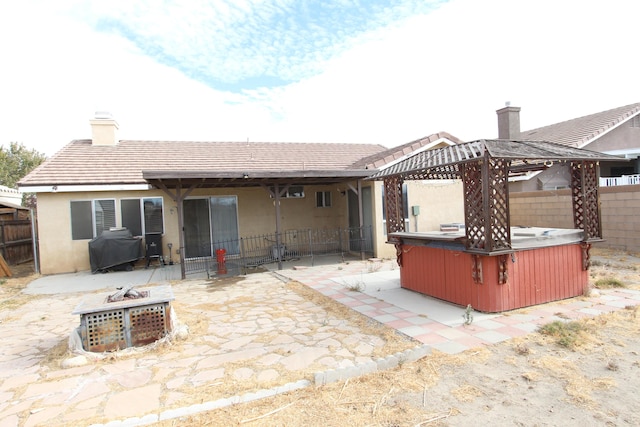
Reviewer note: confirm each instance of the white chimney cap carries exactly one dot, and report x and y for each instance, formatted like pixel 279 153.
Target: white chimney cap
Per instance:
pixel 105 115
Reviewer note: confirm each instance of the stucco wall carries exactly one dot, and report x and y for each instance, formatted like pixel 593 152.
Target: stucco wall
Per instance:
pixel 439 202
pixel 256 216
pixel 619 209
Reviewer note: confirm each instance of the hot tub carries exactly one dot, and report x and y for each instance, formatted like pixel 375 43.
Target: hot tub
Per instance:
pixel 546 265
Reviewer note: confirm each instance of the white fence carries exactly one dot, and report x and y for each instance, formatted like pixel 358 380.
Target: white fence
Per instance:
pixel 621 180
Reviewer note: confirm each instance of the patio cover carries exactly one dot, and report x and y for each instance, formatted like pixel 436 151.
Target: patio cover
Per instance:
pixel 484 167
pixel 179 184
pixel 444 163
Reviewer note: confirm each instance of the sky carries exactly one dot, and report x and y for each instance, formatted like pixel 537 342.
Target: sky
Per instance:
pixel 355 71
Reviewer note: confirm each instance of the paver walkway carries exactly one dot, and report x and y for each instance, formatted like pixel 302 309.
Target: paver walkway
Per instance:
pixel 375 292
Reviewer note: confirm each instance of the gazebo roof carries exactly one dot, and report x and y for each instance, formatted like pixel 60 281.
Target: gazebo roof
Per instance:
pixel 442 163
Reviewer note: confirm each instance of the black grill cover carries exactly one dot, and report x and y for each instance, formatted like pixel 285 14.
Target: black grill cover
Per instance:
pixel 114 250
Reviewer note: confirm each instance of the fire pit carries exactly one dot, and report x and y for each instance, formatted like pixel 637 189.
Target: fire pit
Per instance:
pixel 127 318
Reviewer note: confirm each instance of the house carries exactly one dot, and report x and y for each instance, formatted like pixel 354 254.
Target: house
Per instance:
pixel 615 132
pixel 10 196
pixel 203 197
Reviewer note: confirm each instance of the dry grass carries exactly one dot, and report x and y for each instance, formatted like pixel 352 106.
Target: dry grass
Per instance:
pixel 389 398
pixel 577 385
pixel 11 296
pixel 378 399
pixel 614 268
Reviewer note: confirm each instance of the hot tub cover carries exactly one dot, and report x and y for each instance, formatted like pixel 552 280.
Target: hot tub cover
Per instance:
pixel 114 250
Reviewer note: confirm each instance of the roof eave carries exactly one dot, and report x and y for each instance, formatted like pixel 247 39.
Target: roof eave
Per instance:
pixel 255 174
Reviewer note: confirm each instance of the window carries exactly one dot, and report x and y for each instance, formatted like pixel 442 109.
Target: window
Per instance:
pixel 323 199
pixel 293 192
pixel 90 218
pixel 142 216
pixel 635 122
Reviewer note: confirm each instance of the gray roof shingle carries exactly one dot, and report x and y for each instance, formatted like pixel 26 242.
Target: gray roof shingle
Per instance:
pixel 81 163
pixel 385 157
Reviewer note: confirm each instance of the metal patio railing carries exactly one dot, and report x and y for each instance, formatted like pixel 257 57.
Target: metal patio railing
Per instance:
pixel 250 252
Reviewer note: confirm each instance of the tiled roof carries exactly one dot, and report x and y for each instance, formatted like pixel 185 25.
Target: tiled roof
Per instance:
pixel 583 130
pixel 385 157
pixel 81 163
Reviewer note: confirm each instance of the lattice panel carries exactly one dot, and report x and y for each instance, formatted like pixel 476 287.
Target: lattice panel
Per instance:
pixel 486 205
pixel 393 204
pixel 473 205
pixel 585 199
pixel 498 199
pixel 104 331
pixel 148 324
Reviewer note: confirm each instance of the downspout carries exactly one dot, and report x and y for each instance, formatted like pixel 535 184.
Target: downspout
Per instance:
pixel 34 241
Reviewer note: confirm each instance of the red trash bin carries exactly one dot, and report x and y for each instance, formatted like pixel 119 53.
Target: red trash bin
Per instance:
pixel 220 256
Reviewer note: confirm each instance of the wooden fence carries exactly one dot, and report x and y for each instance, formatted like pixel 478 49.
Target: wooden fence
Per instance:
pixel 16 244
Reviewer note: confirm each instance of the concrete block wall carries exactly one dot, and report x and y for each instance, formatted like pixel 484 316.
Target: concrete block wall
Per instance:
pixel 619 207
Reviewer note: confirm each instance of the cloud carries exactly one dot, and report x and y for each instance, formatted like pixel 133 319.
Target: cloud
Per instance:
pixel 233 45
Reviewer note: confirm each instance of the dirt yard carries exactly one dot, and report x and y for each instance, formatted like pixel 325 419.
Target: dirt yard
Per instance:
pixel 576 373
pixel 584 374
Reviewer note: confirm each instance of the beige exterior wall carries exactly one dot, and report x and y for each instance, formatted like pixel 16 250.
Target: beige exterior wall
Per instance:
pixel 256 216
pixel 439 202
pixel 619 209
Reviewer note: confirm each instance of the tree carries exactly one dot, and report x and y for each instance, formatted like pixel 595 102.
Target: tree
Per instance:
pixel 16 161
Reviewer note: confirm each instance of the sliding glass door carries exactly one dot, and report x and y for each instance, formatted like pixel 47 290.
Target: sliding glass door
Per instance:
pixel 224 224
pixel 209 224
pixel 197 228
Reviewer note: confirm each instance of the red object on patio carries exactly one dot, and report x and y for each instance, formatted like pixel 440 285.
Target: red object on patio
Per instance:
pixel 220 256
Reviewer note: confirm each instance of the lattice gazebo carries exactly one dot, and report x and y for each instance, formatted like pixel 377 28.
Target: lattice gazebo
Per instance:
pixel 484 166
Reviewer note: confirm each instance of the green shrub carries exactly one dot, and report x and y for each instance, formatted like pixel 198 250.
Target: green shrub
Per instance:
pixel 609 282
pixel 566 334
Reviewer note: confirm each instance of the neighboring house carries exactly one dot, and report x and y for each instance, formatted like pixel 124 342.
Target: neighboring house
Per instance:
pixel 615 132
pixel 10 195
pixel 199 195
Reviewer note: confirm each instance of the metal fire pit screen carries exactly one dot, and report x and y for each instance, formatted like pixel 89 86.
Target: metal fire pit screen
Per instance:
pixel 108 326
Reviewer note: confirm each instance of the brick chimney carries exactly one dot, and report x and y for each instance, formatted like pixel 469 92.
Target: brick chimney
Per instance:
pixel 104 129
pixel 509 122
